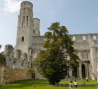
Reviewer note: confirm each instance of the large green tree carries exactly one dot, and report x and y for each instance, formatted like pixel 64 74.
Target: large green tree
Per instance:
pixel 54 61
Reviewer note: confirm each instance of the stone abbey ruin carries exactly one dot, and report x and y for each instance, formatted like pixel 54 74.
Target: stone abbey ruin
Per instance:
pixel 16 61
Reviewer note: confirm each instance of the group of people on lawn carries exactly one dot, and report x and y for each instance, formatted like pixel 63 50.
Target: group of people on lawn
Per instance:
pixel 75 84
pixel 71 85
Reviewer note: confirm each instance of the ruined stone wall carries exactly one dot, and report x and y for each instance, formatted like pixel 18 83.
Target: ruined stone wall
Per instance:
pixel 10 75
pixel 10 66
pixel 86 46
pixel 16 59
pixel 83 44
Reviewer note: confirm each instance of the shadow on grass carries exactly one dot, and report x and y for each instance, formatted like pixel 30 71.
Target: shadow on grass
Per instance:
pixel 28 84
pixel 24 83
pixel 91 85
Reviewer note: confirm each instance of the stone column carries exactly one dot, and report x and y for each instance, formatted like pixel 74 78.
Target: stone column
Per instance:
pixel 80 70
pixel 97 70
pixel 92 52
pixel 70 72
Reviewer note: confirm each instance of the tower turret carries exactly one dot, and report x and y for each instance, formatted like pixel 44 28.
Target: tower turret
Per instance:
pixel 36 26
pixel 25 27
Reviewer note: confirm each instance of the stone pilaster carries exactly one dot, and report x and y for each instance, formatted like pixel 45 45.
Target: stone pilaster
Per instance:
pixel 92 52
pixel 97 70
pixel 80 70
pixel 70 72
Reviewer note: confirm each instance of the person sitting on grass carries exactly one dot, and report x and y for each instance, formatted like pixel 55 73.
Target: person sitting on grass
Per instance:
pixel 84 82
pixel 70 85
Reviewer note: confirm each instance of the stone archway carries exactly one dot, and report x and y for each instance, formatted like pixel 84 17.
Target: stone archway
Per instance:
pixel 83 71
pixel 74 72
pixel 33 75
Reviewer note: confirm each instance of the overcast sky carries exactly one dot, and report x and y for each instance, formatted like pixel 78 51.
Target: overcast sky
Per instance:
pixel 79 16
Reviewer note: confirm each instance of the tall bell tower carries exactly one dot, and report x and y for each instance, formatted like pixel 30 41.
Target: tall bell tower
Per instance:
pixel 25 27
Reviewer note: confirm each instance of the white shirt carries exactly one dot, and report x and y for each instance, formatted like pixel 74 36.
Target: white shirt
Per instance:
pixel 75 83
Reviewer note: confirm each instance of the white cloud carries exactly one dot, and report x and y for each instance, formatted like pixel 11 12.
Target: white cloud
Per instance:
pixel 11 6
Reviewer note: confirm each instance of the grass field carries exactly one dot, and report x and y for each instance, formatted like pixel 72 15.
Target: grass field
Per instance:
pixel 41 84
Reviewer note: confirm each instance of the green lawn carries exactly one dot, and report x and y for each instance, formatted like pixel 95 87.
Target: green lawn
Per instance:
pixel 41 84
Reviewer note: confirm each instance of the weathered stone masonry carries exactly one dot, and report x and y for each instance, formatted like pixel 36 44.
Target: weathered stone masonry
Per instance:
pixel 29 43
pixel 10 73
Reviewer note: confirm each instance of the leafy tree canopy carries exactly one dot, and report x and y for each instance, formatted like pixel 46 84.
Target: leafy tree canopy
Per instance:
pixel 58 56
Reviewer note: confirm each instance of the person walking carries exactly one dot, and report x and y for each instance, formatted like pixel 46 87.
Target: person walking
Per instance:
pixel 70 85
pixel 86 79
pixel 75 84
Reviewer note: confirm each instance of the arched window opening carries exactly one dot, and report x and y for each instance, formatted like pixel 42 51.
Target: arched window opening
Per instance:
pixel 22 64
pixel 31 65
pixel 27 18
pixel 24 4
pixel 74 38
pixel 24 10
pixel 22 39
pixel 82 55
pixel 33 31
pixel 14 62
pixel 29 5
pixel 22 23
pixel 94 37
pixel 33 75
pixel 23 18
pixel 84 37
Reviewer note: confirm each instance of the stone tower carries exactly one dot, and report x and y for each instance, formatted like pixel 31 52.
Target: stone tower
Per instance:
pixel 36 26
pixel 27 27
